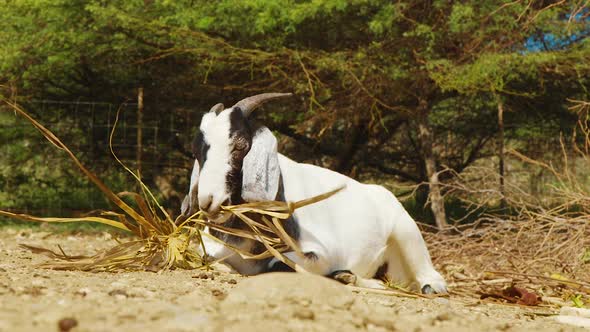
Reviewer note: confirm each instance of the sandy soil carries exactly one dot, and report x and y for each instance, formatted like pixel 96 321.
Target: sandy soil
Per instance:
pixel 34 299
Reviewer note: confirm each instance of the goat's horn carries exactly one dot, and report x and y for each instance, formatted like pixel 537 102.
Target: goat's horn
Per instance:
pixel 217 108
pixel 249 104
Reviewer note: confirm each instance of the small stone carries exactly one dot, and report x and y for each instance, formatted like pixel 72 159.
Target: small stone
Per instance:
pixel 119 293
pixel 232 281
pixel 66 324
pixel 304 313
pixel 205 275
pixel 37 282
pixel 443 317
pixel 82 292
pixel 118 284
pixel 219 294
pixel 442 300
pixel 380 321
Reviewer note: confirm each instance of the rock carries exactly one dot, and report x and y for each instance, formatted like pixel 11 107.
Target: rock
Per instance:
pixel 443 317
pixel 83 292
pixel 141 292
pixel 304 313
pixel 291 288
pixel 218 293
pixel 442 300
pixel 196 298
pixel 119 293
pixel 205 275
pixel 66 324
pixel 187 321
pixel 574 316
pixel 262 301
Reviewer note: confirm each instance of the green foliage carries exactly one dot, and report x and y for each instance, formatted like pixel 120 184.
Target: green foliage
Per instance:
pixel 462 19
pixel 577 301
pixel 360 66
pixel 39 179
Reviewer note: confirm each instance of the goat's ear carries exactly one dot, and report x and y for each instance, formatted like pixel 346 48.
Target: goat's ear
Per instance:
pixel 260 170
pixel 190 204
pixel 186 206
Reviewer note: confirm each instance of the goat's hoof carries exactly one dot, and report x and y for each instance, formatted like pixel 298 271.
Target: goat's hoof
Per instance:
pixel 428 290
pixel 345 277
pixel 436 289
pixel 432 283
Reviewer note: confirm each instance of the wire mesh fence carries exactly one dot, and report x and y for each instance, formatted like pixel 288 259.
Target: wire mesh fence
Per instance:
pixel 86 128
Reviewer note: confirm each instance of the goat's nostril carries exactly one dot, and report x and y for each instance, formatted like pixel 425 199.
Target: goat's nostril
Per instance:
pixel 206 204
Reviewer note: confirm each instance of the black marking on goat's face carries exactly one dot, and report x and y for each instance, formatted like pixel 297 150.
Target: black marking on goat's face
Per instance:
pixel 240 135
pixel 199 148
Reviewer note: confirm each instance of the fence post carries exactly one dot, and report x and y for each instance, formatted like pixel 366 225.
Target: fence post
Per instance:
pixel 501 152
pixel 139 128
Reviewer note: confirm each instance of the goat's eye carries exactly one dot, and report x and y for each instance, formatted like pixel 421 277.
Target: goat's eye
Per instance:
pixel 241 145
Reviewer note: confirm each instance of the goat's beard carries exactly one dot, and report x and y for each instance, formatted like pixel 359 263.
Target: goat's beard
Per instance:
pixel 221 218
pixel 225 216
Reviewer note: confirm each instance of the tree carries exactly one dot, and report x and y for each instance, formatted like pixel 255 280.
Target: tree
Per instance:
pixel 405 89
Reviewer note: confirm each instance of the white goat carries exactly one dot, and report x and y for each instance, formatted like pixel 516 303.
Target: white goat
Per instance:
pixel 361 233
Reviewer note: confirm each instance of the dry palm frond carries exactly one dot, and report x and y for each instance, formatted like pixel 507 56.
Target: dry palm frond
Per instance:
pixel 162 244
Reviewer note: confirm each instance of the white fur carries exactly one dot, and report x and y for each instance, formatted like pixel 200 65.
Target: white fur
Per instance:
pixel 211 184
pixel 358 229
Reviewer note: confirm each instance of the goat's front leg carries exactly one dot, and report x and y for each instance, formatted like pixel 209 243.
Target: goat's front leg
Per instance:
pixel 312 261
pixel 217 251
pixel 213 250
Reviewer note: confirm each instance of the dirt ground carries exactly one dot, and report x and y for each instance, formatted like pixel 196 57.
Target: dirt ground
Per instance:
pixel 35 299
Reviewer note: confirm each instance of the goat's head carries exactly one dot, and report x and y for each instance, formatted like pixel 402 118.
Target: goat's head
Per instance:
pixel 234 160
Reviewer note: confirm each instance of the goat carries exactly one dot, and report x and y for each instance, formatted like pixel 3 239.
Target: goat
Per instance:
pixel 356 236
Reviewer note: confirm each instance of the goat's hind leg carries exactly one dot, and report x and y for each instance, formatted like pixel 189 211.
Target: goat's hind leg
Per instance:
pixel 314 263
pixel 409 261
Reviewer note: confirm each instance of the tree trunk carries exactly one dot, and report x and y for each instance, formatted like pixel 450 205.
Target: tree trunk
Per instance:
pixel 357 139
pixel 426 142
pixel 501 156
